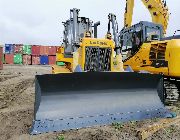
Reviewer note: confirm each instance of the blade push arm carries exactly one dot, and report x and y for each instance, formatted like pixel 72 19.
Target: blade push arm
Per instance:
pixel 113 21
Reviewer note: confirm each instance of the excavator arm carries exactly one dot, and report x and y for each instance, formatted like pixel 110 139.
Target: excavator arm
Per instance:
pixel 157 8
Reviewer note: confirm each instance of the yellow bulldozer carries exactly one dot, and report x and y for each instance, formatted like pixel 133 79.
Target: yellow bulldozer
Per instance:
pixel 80 48
pixel 92 88
pixel 144 46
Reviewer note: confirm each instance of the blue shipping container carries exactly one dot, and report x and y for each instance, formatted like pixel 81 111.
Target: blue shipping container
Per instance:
pixel 44 60
pixel 9 48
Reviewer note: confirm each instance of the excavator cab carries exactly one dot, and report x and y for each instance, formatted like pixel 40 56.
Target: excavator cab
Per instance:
pixel 132 38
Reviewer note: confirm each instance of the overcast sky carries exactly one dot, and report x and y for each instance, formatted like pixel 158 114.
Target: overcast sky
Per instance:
pixel 40 21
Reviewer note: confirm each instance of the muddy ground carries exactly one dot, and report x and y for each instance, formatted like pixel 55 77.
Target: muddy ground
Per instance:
pixel 16 113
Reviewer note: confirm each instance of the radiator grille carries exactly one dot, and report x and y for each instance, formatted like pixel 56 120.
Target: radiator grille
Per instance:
pixel 97 59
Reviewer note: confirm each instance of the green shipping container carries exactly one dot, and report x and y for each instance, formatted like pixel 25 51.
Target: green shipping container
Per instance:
pixel 18 59
pixel 60 63
pixel 27 49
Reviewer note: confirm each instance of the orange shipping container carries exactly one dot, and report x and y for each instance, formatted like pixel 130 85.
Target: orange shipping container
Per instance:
pixel 51 50
pixel 44 50
pixel 26 59
pixel 35 60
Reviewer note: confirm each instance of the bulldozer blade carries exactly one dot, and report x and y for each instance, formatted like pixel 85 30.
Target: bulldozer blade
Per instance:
pixel 77 100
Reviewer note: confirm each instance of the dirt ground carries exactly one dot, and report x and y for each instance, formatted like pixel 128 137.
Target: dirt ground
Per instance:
pixel 16 113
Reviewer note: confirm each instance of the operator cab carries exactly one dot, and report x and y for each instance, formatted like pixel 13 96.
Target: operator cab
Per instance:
pixel 132 38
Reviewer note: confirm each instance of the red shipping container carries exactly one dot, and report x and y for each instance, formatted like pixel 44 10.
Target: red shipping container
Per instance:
pixel 9 58
pixel 51 50
pixel 18 48
pixel 1 65
pixel 44 50
pixel 1 58
pixel 26 59
pixel 52 60
pixel 35 50
pixel 35 60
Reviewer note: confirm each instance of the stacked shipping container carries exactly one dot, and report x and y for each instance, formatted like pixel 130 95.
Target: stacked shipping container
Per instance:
pixel 30 54
pixel 35 54
pixel 9 59
pixel 1 57
pixel 52 55
pixel 18 50
pixel 27 55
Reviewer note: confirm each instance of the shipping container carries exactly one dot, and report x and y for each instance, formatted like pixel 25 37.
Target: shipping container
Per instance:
pixel 44 50
pixel 27 49
pixel 52 50
pixel 9 48
pixel 17 58
pixel 18 48
pixel 35 50
pixel 9 58
pixel 52 60
pixel 60 63
pixel 44 60
pixel 27 60
pixel 35 60
pixel 1 57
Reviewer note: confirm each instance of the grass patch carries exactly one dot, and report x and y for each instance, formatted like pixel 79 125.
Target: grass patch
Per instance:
pixel 117 125
pixel 60 137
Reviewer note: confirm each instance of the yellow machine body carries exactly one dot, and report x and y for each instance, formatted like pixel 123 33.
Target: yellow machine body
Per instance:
pixel 79 57
pixel 167 51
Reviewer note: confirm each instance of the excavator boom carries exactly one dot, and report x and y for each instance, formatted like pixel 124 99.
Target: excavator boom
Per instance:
pixel 157 8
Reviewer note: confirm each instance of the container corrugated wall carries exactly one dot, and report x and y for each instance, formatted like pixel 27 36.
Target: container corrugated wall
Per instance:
pixel 27 60
pixel 17 58
pixel 52 50
pixel 44 50
pixel 27 49
pixel 9 48
pixel 52 60
pixel 35 60
pixel 44 60
pixel 1 57
pixel 9 58
pixel 35 50
pixel 18 48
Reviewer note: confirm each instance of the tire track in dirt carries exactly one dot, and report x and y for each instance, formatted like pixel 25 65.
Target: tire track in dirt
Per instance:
pixel 7 75
pixel 16 122
pixel 16 108
pixel 11 89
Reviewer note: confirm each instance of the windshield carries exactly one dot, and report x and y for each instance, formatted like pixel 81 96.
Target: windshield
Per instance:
pixel 153 34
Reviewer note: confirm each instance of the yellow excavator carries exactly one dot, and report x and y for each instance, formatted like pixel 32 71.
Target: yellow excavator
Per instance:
pixel 92 88
pixel 144 46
